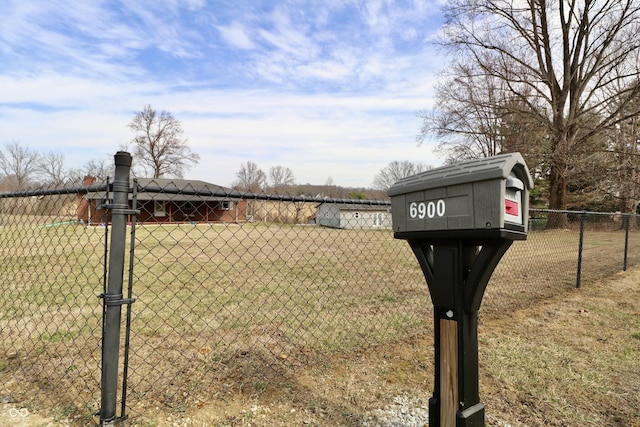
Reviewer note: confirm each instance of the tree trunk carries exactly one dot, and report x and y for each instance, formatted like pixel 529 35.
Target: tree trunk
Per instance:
pixel 628 205
pixel 558 185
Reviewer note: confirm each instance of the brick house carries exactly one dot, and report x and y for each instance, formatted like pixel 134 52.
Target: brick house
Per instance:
pixel 164 201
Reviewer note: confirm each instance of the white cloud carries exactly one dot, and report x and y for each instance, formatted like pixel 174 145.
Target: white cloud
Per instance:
pixel 237 35
pixel 347 137
pixel 287 39
pixel 196 4
pixel 321 87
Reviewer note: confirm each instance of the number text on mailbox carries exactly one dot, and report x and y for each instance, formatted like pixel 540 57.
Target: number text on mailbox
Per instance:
pixel 430 209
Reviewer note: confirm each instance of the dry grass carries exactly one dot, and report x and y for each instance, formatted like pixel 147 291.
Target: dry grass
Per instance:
pixel 573 360
pixel 229 318
pixel 570 361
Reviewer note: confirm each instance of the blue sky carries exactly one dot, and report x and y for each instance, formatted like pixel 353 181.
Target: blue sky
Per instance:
pixel 327 88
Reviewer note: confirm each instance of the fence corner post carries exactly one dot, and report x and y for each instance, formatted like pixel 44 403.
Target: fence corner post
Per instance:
pixel 112 298
pixel 583 217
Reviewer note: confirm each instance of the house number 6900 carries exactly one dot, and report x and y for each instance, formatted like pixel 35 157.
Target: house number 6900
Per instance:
pixel 426 209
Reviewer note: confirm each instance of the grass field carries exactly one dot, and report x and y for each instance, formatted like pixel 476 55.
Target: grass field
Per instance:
pixel 245 313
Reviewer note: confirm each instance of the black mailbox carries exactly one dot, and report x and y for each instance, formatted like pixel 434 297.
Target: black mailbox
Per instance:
pixel 477 198
pixel 459 221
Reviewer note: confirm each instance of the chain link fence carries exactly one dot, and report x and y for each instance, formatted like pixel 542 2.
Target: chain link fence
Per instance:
pixel 232 289
pixel 51 272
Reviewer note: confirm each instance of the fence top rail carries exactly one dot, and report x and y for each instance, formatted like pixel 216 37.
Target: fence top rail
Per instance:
pixel 225 193
pixel 54 191
pixel 221 193
pixel 582 212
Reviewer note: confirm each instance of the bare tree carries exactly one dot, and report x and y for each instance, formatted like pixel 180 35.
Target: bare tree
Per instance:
pixel 250 178
pixel 474 117
pixel 617 166
pixel 467 114
pixel 160 148
pixel 557 64
pixel 280 176
pixel 51 167
pixel 397 170
pixel 74 177
pixel 19 164
pixel 329 189
pixel 99 168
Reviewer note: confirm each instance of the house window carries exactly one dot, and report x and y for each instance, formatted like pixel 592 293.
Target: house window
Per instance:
pixel 159 208
pixel 378 219
pixel 226 205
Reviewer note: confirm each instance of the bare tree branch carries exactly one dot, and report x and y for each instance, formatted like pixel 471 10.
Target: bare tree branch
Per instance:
pixel 19 164
pixel 160 148
pixel 250 178
pixel 557 65
pixel 397 170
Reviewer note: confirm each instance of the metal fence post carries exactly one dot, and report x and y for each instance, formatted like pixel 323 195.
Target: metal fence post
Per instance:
pixel 627 219
pixel 583 217
pixel 112 298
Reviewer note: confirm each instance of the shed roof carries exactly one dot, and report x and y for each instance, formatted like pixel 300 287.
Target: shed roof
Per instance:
pixel 358 206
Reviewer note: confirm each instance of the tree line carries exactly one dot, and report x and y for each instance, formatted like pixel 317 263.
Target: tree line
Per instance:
pixel 24 168
pixel 557 81
pixel 159 148
pixel 280 180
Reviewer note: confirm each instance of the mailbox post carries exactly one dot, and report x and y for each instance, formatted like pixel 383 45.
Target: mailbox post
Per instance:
pixel 459 221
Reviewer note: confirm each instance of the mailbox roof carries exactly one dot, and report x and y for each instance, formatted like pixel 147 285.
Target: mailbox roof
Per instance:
pixel 482 169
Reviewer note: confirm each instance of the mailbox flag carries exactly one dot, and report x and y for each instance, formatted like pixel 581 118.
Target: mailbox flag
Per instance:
pixel 511 207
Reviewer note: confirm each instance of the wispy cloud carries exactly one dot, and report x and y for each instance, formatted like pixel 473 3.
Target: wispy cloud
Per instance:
pixel 290 81
pixel 236 35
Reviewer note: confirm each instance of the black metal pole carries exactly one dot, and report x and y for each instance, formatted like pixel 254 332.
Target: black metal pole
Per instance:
pixel 580 244
pixel 627 219
pixel 127 332
pixel 113 296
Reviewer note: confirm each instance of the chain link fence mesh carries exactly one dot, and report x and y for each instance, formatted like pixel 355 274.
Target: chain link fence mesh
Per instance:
pixel 222 305
pixel 51 272
pixel 234 288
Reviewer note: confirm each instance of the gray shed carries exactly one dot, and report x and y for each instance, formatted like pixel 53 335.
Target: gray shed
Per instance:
pixel 353 215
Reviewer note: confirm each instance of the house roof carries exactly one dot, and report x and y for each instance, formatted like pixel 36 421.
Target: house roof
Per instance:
pixel 175 190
